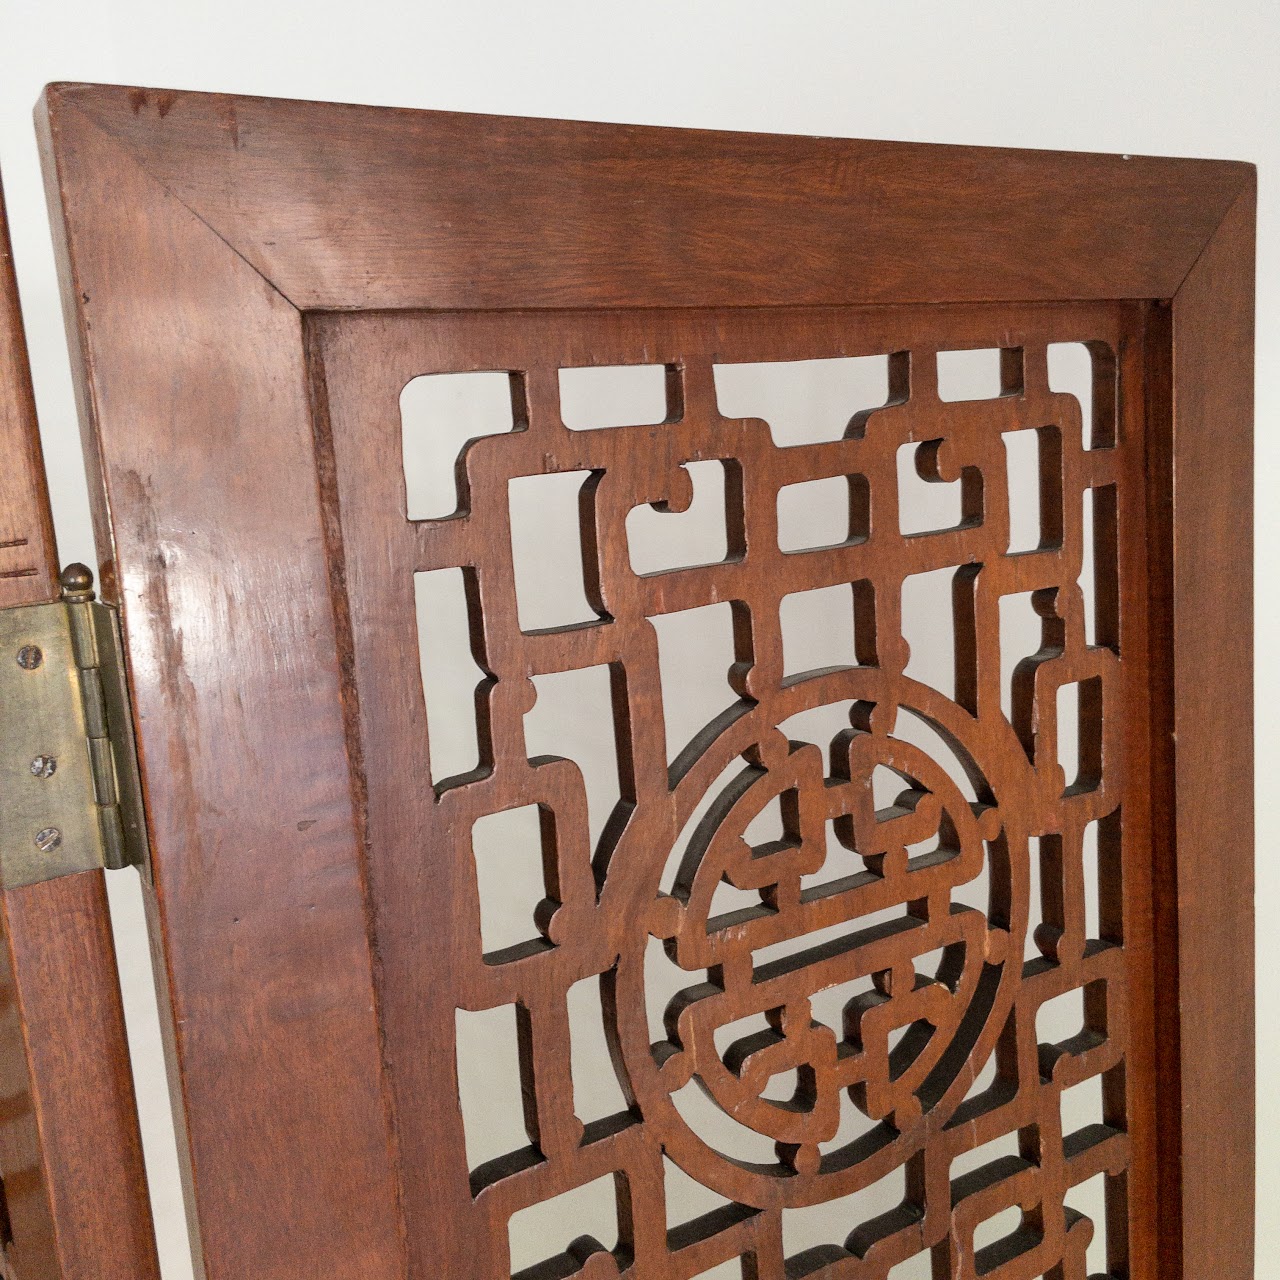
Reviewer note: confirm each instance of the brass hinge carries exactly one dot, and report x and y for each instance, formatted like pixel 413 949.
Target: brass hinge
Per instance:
pixel 70 798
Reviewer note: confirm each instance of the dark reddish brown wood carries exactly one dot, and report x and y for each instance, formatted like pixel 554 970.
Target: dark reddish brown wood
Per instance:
pixel 70 1151
pixel 1205 701
pixel 369 208
pixel 315 903
pixel 258 901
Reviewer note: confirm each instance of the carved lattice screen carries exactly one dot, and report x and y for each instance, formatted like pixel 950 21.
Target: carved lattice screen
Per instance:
pixel 851 1008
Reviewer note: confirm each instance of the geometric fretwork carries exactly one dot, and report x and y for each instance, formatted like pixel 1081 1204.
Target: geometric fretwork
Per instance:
pixel 871 1005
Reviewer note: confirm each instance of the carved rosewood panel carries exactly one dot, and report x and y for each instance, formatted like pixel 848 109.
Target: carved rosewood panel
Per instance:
pixel 828 931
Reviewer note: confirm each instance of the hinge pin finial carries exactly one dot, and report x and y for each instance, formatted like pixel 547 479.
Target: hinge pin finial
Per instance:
pixel 77 583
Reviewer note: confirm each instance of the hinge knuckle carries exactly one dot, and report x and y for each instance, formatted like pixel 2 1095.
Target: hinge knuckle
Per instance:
pixel 68 764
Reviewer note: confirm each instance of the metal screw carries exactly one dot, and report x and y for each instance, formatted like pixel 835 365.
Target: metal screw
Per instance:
pixel 48 839
pixel 44 766
pixel 30 656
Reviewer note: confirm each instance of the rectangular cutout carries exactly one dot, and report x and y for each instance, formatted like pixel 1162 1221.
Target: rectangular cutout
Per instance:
pixel 928 626
pixel 970 375
pixel 819 628
pixel 489 1088
pixel 450 674
pixel 817 514
pixel 695 654
pixel 596 1091
pixel 632 395
pixel 547 514
pixel 509 858
pixel 926 505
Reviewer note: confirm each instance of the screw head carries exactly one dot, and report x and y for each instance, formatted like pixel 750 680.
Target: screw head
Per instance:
pixel 48 839
pixel 44 766
pixel 30 656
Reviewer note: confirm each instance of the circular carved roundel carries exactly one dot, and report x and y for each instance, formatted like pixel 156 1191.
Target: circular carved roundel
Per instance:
pixel 921 984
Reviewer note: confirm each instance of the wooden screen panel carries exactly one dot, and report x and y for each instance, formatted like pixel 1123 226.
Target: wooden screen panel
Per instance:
pixel 203 238
pixel 916 962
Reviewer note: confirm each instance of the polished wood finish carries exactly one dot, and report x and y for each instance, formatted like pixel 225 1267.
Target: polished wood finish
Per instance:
pixel 70 1151
pixel 368 208
pixel 263 564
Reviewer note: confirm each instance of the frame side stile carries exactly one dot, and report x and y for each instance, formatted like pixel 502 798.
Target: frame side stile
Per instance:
pixel 1210 827
pixel 229 994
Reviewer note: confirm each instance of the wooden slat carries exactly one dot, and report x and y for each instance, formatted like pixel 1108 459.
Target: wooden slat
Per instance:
pixel 70 1151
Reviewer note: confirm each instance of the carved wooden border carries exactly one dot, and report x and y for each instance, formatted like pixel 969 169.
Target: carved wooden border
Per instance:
pixel 199 229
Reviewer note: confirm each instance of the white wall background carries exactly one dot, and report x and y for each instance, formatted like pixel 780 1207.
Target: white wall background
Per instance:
pixel 1187 77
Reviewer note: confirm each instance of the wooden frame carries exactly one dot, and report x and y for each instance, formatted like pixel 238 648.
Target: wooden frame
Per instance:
pixel 70 1150
pixel 200 232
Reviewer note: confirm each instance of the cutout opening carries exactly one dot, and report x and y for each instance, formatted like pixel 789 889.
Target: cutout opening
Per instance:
pixel 815 515
pixel 1082 1106
pixel 1061 1018
pixel 1023 462
pixel 1099 572
pixel 573 718
pixel 926 505
pixel 1007 1144
pixel 834 1222
pixel 804 401
pixel 975 374
pixel 548 513
pixel 912 727
pixel 819 627
pixel 452 678
pixel 1089 1198
pixel 440 415
pixel 1079 734
pixel 660 540
pixel 589 1212
pixel 687 1199
pixel 630 395
pixel 928 626
pixel 1020 637
pixel 998 1229
pixel 489 1083
pixel 1087 370
pixel 596 1091
pixel 695 656
pixel 510 856
pixel 719 1129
